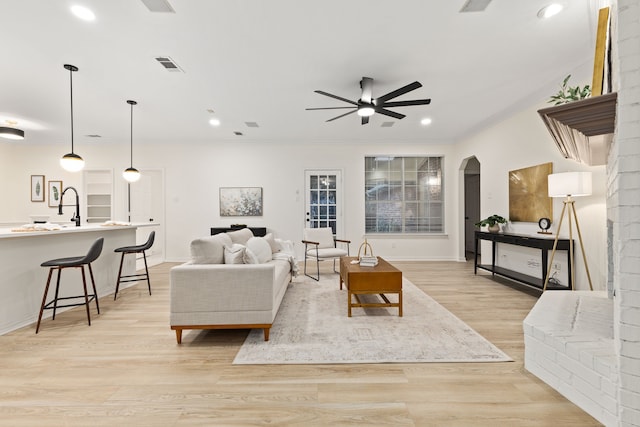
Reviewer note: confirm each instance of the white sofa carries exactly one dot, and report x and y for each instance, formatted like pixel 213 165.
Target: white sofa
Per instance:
pixel 233 281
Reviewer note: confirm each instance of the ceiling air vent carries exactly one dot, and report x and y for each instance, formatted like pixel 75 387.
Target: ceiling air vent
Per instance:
pixel 158 6
pixel 169 64
pixel 251 124
pixel 386 124
pixel 475 6
pixel 237 133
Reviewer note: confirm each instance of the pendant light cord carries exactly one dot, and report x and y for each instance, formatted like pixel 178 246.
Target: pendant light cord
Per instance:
pixel 131 135
pixel 71 85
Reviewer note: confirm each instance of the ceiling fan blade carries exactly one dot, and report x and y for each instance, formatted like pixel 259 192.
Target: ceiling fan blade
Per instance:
pixel 394 94
pixel 342 115
pixel 336 97
pixel 365 120
pixel 406 103
pixel 367 88
pixel 390 113
pixel 328 108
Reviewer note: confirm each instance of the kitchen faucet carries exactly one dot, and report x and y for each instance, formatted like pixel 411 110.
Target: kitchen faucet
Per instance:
pixel 76 214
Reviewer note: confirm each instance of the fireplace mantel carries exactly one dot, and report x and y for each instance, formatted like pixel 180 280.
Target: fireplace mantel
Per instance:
pixel 583 129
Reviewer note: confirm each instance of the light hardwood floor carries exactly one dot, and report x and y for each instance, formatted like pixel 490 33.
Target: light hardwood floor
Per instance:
pixel 127 370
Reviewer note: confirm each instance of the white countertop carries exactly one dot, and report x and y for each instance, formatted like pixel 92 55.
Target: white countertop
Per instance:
pixel 70 228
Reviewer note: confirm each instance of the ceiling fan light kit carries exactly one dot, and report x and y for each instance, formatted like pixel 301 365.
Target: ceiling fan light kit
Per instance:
pixel 366 111
pixel 367 106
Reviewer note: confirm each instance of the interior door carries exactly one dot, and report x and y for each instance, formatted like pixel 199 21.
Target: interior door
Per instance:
pixel 471 210
pixel 323 199
pixel 146 202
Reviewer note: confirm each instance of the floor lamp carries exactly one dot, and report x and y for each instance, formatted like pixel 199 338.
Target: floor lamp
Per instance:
pixel 569 185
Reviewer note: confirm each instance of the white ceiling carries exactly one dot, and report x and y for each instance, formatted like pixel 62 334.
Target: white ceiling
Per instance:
pixel 260 61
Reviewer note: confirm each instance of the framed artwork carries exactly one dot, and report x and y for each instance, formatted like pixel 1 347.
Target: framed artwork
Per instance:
pixel 55 192
pixel 528 193
pixel 37 188
pixel 601 82
pixel 240 201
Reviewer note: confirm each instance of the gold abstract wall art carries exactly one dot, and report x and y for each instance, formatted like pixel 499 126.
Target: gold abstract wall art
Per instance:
pixel 528 195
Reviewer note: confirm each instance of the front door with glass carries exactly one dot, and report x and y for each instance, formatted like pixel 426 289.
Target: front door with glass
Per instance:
pixel 323 199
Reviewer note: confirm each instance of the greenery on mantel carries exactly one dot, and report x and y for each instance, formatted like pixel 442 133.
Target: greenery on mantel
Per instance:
pixel 568 94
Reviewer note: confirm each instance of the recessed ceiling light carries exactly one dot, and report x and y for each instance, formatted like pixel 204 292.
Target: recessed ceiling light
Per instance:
pixel 426 121
pixel 83 13
pixel 550 10
pixel 214 122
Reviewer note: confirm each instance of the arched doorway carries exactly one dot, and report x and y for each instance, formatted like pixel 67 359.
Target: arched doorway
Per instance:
pixel 471 203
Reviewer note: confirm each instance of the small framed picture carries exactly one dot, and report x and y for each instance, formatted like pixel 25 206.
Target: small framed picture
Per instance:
pixel 55 192
pixel 37 188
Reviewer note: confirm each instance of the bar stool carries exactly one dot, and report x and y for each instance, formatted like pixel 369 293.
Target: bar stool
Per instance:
pixel 134 250
pixel 71 262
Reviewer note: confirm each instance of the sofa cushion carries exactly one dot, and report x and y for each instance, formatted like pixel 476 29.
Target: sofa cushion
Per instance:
pixel 275 247
pixel 260 248
pixel 207 250
pixel 226 240
pixel 240 236
pixel 234 254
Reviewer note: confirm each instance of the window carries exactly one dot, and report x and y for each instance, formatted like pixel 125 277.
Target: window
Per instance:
pixel 403 195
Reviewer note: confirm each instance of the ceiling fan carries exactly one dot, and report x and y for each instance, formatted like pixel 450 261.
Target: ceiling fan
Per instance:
pixel 367 106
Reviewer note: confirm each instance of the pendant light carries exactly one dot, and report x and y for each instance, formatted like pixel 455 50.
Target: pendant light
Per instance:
pixel 71 162
pixel 11 133
pixel 131 174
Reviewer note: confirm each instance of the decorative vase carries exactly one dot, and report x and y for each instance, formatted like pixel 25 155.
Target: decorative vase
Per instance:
pixel 495 228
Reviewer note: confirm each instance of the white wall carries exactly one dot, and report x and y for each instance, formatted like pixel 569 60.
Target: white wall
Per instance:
pixel 521 141
pixel 195 171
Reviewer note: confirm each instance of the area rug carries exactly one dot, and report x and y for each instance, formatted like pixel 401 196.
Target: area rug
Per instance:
pixel 312 327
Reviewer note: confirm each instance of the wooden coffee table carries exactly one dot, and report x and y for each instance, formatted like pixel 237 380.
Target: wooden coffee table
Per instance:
pixel 381 279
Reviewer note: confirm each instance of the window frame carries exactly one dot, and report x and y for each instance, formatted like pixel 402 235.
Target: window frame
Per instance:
pixel 411 189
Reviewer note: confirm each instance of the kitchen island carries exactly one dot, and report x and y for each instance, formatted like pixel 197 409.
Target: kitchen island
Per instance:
pixel 22 280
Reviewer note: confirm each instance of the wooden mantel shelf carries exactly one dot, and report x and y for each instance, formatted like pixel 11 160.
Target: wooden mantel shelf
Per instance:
pixel 572 124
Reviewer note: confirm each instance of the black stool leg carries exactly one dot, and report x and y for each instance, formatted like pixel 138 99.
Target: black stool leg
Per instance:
pixel 55 299
pixel 93 284
pixel 44 299
pixel 119 275
pixel 144 255
pixel 86 297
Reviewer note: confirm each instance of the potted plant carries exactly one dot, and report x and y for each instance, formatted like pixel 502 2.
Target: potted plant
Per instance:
pixel 568 94
pixel 492 223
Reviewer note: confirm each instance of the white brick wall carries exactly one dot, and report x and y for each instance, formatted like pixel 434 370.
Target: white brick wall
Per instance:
pixel 569 344
pixel 623 210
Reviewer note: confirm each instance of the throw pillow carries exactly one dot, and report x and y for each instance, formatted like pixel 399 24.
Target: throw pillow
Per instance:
pixel 207 250
pixel 234 254
pixel 275 247
pixel 240 236
pixel 250 257
pixel 261 248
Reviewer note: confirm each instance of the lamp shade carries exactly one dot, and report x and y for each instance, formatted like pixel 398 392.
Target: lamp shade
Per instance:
pixel 11 133
pixel 71 162
pixel 131 174
pixel 569 184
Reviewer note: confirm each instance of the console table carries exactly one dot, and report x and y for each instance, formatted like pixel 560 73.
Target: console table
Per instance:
pixel 544 244
pixel 257 231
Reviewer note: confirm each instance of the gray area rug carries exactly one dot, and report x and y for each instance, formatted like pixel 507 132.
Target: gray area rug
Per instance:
pixel 312 327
